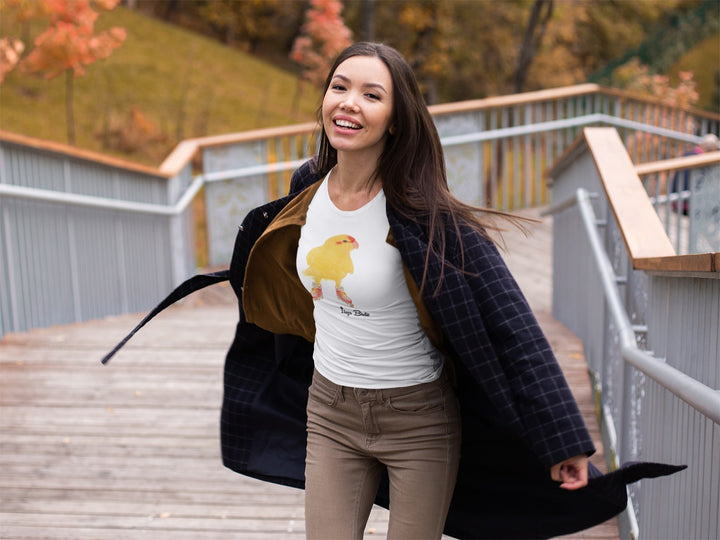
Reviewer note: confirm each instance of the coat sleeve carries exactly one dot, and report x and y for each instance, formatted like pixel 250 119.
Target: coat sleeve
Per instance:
pixel 541 396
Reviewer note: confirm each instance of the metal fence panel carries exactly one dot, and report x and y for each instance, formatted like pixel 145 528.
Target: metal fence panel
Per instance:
pixel 677 318
pixel 73 260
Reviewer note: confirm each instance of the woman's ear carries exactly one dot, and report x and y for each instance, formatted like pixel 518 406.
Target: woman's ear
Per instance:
pixel 392 130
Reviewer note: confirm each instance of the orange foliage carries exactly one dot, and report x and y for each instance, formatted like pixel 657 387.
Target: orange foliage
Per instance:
pixel 324 36
pixel 672 114
pixel 70 42
pixel 637 77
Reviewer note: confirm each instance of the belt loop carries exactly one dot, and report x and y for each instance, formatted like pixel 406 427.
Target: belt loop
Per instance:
pixel 339 394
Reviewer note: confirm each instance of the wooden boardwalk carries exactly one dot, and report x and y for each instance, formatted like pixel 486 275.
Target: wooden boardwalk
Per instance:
pixel 130 450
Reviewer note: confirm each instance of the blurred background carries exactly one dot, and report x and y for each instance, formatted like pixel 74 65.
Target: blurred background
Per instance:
pixel 133 78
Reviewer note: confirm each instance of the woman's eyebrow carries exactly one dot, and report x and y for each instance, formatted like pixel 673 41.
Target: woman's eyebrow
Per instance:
pixel 365 85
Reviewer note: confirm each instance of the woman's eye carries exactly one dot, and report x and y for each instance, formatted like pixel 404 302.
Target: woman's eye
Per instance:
pixel 338 87
pixel 373 96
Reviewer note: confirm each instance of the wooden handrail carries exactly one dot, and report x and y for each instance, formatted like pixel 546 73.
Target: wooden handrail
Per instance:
pixel 637 96
pixel 187 149
pixel 514 99
pixel 686 162
pixel 648 246
pixel 73 151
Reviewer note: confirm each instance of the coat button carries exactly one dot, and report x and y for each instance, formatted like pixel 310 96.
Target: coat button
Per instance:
pixel 241 228
pixel 265 215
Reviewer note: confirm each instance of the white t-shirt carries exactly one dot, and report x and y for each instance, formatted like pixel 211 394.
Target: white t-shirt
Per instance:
pixel 367 329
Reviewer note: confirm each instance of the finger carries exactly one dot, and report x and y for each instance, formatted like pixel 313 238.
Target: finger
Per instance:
pixel 573 477
pixel 574 484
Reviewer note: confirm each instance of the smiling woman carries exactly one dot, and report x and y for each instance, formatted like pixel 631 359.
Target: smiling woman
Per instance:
pixel 384 352
pixel 383 394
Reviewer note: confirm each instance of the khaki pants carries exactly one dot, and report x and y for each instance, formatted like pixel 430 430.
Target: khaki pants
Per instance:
pixel 353 433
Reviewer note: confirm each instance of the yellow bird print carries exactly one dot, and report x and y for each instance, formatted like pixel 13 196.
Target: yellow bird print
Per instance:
pixel 331 262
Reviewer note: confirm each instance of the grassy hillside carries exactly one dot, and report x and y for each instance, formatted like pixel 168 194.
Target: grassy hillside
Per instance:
pixel 162 85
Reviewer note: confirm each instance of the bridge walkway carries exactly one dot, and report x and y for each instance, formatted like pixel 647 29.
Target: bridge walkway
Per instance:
pixel 131 451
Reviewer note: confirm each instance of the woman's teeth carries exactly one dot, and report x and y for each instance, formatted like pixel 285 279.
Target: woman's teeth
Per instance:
pixel 346 124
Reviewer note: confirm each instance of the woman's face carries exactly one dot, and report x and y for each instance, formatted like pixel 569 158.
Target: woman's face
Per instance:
pixel 358 106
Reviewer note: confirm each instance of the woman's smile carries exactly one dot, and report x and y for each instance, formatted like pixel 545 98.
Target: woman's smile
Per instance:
pixel 346 123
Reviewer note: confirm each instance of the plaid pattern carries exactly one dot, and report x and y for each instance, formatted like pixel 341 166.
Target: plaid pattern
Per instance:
pixel 250 416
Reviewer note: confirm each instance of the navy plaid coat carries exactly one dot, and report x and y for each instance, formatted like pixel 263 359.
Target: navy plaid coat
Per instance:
pixel 519 417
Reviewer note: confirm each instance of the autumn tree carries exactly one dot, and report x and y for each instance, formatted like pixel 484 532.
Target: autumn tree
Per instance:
pixel 540 16
pixel 367 20
pixel 423 40
pixel 251 23
pixel 481 48
pixel 639 79
pixel 70 44
pixel 323 36
pixel 583 37
pixel 12 47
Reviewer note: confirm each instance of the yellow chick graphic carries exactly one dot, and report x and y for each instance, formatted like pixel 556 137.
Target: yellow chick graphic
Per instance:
pixel 331 262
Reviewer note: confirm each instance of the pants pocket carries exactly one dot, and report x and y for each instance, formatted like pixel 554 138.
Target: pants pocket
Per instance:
pixel 424 399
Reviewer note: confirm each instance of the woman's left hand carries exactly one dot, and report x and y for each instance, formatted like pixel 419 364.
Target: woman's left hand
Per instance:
pixel 573 472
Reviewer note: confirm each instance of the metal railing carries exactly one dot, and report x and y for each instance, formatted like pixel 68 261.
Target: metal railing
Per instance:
pixel 650 340
pixel 686 196
pixel 496 150
pixel 85 236
pixel 83 239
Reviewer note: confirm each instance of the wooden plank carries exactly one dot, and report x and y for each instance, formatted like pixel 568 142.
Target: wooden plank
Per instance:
pixel 686 162
pixel 639 224
pixel 523 98
pixel 184 152
pixel 528 255
pixel 697 263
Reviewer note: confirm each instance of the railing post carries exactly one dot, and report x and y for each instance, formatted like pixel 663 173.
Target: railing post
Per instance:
pixel 606 352
pixel 182 242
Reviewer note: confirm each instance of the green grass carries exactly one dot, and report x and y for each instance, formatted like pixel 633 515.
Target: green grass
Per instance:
pixel 179 84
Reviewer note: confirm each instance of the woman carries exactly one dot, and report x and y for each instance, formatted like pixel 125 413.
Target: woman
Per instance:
pixel 381 397
pixel 432 388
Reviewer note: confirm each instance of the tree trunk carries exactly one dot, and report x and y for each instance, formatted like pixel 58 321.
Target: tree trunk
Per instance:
pixel 70 105
pixel 537 24
pixel 295 107
pixel 367 20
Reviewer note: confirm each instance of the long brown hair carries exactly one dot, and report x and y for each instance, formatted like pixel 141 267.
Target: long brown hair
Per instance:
pixel 411 166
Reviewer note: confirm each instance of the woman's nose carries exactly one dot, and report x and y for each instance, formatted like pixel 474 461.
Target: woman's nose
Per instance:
pixel 349 104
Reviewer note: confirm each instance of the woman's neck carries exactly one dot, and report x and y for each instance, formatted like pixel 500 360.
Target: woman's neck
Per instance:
pixel 353 183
